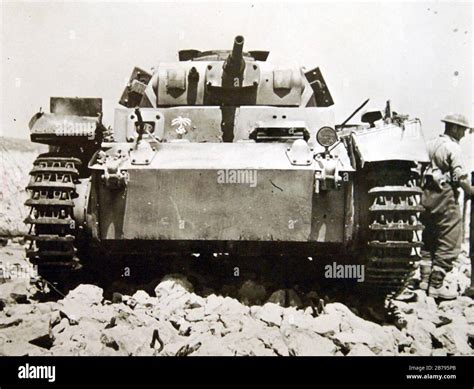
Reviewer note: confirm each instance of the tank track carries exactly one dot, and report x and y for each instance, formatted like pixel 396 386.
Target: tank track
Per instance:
pixel 51 235
pixel 394 236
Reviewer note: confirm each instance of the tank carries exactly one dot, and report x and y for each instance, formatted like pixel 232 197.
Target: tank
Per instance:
pixel 222 152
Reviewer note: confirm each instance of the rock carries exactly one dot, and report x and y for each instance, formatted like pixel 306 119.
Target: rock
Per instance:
pixel 469 314
pixel 127 317
pixel 81 339
pixel 184 301
pixel 21 310
pixel 245 343
pixel 74 311
pixel 85 294
pixel 439 352
pixel 212 303
pixel 167 334
pixel 184 327
pixel 278 297
pixel 455 308
pixel 360 350
pixel 200 327
pixel 176 304
pixel 273 339
pixel 307 343
pixel 454 339
pixel 109 342
pixel 270 314
pixel 142 298
pixel 402 341
pixel 16 291
pixel 326 324
pixel 59 328
pixel 348 339
pixel 33 328
pixel 196 314
pixel 349 322
pixel 172 284
pixel 217 328
pixel 132 342
pixel 10 323
pixel 46 307
pixel 421 332
pixel 232 322
pixel 251 293
pixel 404 307
pixel 293 317
pixel 293 299
pixel 309 311
pixel 233 306
pixel 212 346
pixel 427 310
pixel 442 320
pixel 130 301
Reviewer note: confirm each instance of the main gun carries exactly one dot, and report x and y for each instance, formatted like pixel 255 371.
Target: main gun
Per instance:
pixel 234 66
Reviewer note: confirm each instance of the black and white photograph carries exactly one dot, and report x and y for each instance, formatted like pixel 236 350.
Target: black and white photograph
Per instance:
pixel 225 179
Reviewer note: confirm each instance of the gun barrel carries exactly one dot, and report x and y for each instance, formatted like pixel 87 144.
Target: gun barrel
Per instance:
pixel 238 48
pixel 235 64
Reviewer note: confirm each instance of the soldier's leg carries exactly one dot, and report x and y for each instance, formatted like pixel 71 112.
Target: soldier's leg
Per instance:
pixel 448 246
pixel 447 251
pixel 429 238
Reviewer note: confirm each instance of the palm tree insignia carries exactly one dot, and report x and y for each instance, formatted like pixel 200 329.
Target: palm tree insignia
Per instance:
pixel 181 123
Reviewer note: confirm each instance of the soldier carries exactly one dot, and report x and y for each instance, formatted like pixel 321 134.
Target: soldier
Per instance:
pixel 441 181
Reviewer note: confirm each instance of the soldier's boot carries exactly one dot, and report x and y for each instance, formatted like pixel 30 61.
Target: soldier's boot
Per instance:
pixel 439 288
pixel 425 273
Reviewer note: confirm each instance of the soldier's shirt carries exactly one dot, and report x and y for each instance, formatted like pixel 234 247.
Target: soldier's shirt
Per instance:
pixel 445 151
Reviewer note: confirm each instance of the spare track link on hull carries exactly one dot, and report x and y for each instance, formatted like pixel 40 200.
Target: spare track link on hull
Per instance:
pixel 52 188
pixel 394 237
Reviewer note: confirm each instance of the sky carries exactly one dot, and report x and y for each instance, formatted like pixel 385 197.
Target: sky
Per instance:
pixel 417 54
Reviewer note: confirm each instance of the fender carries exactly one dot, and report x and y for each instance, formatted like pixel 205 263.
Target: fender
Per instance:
pixel 391 142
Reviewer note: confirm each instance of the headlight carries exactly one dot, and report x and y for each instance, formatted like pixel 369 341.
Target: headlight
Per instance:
pixel 326 136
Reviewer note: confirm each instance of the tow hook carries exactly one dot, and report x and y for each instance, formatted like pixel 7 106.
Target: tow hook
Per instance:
pixel 326 176
pixel 114 177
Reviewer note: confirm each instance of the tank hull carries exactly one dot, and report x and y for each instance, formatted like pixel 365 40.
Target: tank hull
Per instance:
pixel 218 195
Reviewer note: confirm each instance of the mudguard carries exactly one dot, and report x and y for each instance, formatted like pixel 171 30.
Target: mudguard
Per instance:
pixel 391 143
pixel 70 119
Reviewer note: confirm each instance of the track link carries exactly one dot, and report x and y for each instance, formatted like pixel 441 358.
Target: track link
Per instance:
pixel 394 236
pixel 52 188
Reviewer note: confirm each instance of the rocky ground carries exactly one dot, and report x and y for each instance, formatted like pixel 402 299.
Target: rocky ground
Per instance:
pixel 174 320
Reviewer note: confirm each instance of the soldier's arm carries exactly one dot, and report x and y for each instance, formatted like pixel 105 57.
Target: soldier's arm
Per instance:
pixel 459 173
pixel 466 186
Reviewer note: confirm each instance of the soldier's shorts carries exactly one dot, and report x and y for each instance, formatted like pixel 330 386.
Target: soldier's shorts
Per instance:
pixel 442 235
